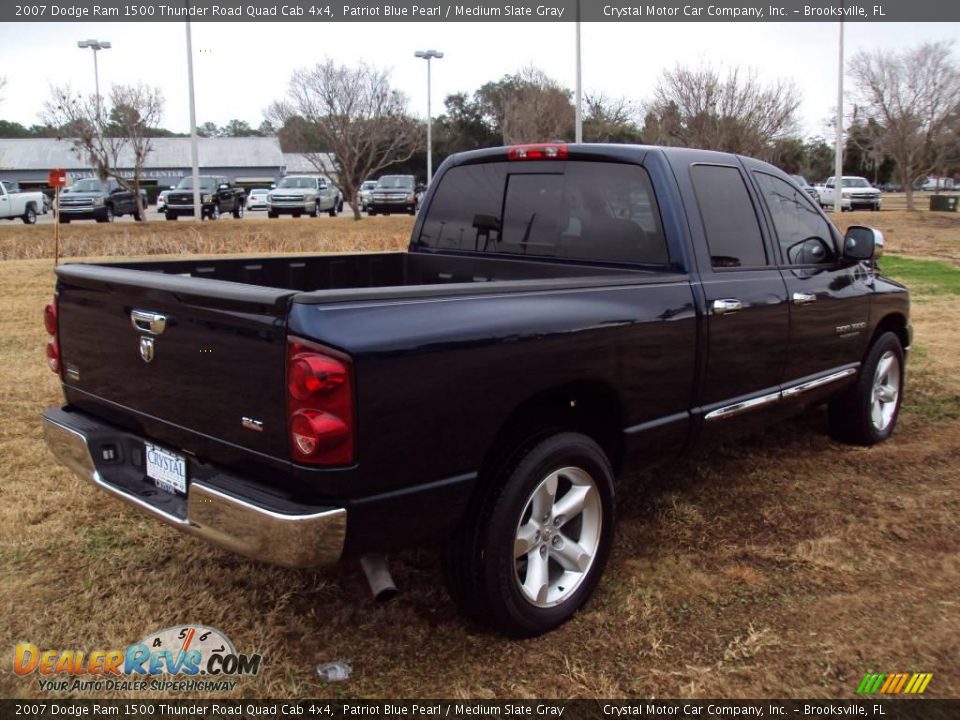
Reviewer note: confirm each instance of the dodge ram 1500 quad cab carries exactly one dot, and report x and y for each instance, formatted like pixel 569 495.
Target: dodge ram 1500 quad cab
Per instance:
pixel 563 313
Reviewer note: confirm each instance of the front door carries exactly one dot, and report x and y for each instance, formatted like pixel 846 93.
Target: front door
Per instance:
pixel 829 297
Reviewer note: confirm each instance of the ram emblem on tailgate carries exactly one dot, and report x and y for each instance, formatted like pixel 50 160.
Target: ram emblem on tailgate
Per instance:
pixel 153 324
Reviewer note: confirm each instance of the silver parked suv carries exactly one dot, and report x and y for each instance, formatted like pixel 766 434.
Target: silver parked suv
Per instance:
pixel 303 195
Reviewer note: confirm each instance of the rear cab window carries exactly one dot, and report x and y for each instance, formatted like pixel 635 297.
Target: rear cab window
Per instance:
pixel 729 219
pixel 575 210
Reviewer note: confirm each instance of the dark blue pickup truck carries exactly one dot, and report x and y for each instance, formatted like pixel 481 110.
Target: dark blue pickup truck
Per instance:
pixel 563 313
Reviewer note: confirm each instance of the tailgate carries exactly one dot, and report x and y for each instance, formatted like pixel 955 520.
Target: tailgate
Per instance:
pixel 218 356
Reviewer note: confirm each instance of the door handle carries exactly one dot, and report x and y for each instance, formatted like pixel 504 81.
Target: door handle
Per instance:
pixel 726 306
pixel 802 298
pixel 148 322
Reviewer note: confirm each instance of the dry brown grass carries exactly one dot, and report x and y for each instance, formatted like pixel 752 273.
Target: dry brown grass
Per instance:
pixel 785 565
pixel 249 235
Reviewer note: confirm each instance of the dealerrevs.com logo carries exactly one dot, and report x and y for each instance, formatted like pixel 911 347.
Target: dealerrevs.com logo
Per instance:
pixel 182 658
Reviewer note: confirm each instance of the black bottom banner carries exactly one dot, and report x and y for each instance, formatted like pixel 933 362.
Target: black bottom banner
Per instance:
pixel 914 709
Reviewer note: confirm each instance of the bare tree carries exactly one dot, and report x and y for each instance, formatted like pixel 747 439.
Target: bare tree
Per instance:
pixel 912 96
pixel 734 112
pixel 355 116
pixel 102 135
pixel 528 106
pixel 609 119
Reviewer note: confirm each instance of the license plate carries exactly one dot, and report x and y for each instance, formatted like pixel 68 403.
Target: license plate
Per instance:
pixel 167 470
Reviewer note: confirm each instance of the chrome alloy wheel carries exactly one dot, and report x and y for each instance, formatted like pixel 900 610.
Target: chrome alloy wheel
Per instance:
pixel 886 391
pixel 557 537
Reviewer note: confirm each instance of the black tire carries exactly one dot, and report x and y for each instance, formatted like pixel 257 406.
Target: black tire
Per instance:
pixel 64 219
pixel 481 571
pixel 412 209
pixel 340 206
pixel 271 214
pixel 108 216
pixel 238 210
pixel 316 210
pixel 371 212
pixel 170 216
pixel 214 213
pixel 332 212
pixel 853 413
pixel 30 215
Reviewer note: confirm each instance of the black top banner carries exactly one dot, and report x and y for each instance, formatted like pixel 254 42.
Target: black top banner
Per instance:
pixel 482 10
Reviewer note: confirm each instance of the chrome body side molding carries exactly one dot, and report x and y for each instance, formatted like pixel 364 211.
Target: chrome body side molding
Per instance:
pixel 734 409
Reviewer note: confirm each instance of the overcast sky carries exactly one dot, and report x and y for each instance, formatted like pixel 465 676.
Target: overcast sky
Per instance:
pixel 241 67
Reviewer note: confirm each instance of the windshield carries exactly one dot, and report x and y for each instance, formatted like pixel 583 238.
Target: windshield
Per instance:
pixel 391 182
pixel 855 182
pixel 258 191
pixel 88 185
pixel 206 183
pixel 298 182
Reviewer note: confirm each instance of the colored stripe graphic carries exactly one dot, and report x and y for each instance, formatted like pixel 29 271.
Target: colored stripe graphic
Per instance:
pixel 894 683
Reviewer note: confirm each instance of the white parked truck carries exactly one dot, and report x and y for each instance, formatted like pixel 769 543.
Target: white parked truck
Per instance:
pixel 16 205
pixel 855 192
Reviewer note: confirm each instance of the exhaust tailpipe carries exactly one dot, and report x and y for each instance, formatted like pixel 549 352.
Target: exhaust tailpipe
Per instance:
pixel 378 575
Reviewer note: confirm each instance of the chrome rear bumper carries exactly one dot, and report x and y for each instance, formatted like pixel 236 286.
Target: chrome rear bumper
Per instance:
pixel 295 540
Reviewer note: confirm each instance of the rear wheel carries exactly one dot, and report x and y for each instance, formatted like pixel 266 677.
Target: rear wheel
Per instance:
pixel 866 414
pixel 30 215
pixel 533 549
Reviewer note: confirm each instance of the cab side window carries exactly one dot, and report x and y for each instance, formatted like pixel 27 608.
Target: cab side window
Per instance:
pixel 729 220
pixel 803 234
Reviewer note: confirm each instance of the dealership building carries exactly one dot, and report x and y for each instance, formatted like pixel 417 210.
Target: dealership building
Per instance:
pixel 248 161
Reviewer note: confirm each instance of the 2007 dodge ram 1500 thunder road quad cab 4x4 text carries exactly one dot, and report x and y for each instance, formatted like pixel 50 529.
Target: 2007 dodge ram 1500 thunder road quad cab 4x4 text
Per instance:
pixel 563 312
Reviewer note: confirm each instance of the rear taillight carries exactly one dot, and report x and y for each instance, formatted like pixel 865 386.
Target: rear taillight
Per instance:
pixel 320 404
pixel 544 151
pixel 50 325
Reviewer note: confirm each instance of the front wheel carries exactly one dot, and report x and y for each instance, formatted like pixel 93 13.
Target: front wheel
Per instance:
pixel 238 210
pixel 332 212
pixel 214 213
pixel 866 414
pixel 532 551
pixel 170 216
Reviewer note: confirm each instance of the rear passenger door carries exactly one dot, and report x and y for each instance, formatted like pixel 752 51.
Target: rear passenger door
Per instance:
pixel 829 297
pixel 746 300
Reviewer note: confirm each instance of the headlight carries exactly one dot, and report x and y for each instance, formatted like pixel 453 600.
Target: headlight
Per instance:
pixel 97 202
pixel 410 197
pixel 309 198
pixel 207 198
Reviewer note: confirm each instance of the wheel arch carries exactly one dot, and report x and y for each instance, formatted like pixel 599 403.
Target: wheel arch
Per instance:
pixel 895 322
pixel 591 407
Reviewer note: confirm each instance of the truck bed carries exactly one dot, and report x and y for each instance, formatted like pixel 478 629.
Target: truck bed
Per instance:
pixel 371 271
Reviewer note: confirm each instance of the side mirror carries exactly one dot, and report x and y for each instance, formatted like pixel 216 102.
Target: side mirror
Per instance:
pixel 862 243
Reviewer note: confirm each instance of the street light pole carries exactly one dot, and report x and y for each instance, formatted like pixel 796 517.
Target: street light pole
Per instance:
pixel 194 154
pixel 95 45
pixel 838 150
pixel 428 55
pixel 579 109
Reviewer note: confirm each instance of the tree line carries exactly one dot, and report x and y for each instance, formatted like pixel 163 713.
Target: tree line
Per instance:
pixel 904 123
